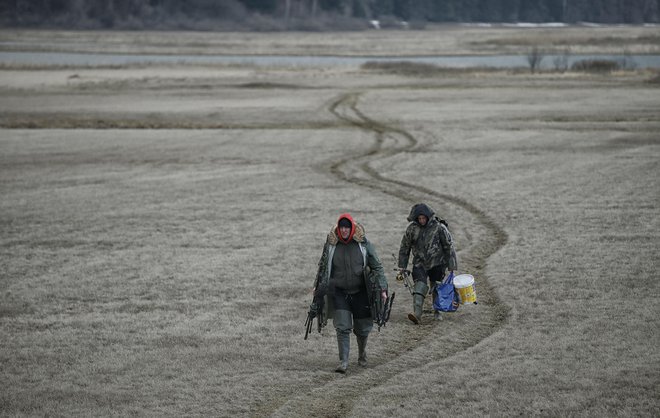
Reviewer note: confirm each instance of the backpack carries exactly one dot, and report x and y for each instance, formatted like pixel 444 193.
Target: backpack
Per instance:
pixel 452 263
pixel 446 298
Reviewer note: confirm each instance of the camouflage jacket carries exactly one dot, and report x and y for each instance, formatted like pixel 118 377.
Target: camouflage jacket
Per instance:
pixel 431 244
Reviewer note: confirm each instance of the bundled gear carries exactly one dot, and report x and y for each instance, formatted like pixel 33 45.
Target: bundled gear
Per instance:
pixel 381 309
pixel 315 311
pixel 433 252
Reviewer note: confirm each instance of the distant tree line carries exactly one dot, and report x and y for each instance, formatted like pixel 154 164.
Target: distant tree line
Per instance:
pixel 313 14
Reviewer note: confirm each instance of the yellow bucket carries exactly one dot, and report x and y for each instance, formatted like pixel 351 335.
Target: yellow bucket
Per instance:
pixel 464 285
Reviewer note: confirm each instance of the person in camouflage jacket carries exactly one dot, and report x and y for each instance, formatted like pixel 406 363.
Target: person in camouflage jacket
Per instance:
pixel 433 252
pixel 349 275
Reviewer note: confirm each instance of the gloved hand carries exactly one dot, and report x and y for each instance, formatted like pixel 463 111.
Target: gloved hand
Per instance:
pixel 313 310
pixel 320 292
pixel 451 265
pixel 318 299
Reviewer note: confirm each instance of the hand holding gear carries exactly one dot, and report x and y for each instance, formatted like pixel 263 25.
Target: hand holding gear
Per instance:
pixel 313 310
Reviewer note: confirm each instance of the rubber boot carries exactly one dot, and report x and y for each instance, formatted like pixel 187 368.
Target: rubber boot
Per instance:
pixel 362 347
pixel 418 302
pixel 344 345
pixel 436 313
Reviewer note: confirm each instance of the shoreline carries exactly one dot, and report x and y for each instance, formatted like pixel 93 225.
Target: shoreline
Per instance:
pixel 511 61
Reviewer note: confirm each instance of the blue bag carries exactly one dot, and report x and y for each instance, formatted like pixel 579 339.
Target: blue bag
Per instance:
pixel 446 298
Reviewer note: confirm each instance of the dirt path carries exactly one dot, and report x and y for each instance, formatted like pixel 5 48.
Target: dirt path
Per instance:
pixel 337 397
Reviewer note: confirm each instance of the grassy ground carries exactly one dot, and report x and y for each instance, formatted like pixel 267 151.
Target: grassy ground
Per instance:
pixel 442 40
pixel 165 269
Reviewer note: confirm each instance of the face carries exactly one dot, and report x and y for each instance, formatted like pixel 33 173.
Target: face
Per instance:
pixel 422 220
pixel 344 232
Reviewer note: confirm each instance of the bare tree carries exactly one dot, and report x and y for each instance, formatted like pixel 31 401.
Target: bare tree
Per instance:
pixel 314 8
pixel 534 58
pixel 627 62
pixel 560 61
pixel 174 13
pixel 287 9
pixel 366 8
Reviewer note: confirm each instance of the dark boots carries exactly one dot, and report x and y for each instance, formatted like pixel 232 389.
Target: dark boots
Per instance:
pixel 361 327
pixel 344 344
pixel 421 289
pixel 362 346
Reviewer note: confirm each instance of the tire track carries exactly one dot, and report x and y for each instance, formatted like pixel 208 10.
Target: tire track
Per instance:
pixel 337 396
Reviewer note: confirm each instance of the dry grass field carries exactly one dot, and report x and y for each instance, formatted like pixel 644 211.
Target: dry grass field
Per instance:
pixel 160 228
pixel 443 40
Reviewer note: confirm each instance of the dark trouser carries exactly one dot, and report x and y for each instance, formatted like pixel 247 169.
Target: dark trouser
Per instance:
pixel 351 309
pixel 434 275
pixel 420 275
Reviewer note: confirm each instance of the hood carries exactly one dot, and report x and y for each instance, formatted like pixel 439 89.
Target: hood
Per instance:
pixel 357 231
pixel 420 209
pixel 348 217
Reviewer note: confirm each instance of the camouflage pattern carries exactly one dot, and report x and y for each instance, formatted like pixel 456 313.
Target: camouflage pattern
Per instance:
pixel 431 244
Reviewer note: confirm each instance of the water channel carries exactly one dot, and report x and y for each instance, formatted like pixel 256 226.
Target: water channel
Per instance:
pixel 495 61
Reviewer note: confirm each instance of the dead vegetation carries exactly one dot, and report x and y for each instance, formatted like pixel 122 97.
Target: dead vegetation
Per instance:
pixel 441 40
pixel 109 122
pixel 167 271
pixel 417 69
pixel 596 66
pixel 655 79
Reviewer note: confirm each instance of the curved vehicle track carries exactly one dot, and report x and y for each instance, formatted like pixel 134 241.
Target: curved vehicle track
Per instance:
pixel 337 396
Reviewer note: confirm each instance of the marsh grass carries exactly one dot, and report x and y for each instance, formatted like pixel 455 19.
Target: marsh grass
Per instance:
pixel 417 69
pixel 439 40
pixel 111 322
pixel 654 79
pixel 74 122
pixel 566 326
pixel 596 66
pixel 168 271
pixel 603 40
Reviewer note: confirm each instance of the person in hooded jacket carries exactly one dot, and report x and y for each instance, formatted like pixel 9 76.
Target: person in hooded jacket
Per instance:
pixel 349 274
pixel 433 253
